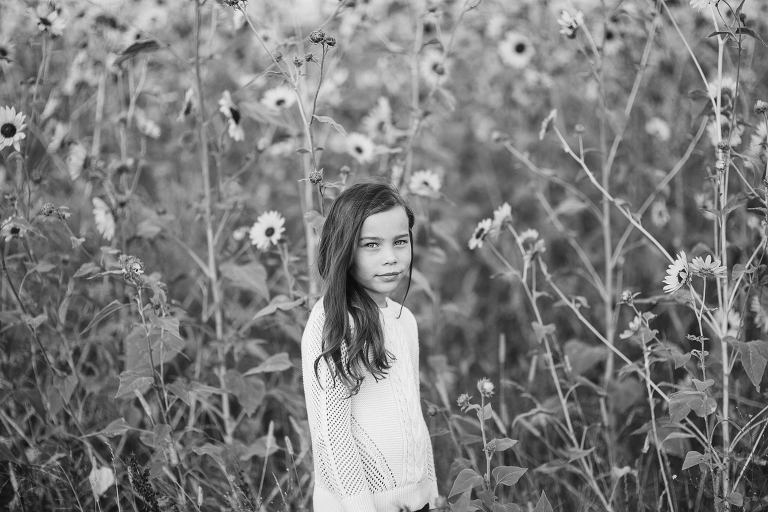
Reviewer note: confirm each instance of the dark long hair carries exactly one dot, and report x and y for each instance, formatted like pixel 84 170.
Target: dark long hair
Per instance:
pixel 343 295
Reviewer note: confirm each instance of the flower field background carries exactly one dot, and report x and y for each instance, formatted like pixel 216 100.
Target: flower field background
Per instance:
pixel 589 179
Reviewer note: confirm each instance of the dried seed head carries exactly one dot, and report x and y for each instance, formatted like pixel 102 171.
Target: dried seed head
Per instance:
pixel 278 56
pixel 317 36
pixel 47 209
pixel 761 107
pixel 316 177
pixel 297 61
pixel 330 41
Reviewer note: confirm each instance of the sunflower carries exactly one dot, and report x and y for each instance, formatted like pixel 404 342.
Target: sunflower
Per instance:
pixel 232 113
pixel 758 143
pixel 657 128
pixel 678 274
pixel 434 68
pixel 501 215
pixel 278 98
pixel 378 122
pixel 47 20
pixel 425 184
pixel 267 230
pixel 515 50
pixel 11 126
pixel 6 50
pixel 104 217
pixel 360 147
pixel 78 160
pixel 659 214
pixel 12 228
pixel 570 24
pixel 708 268
pixel 729 133
pixel 478 236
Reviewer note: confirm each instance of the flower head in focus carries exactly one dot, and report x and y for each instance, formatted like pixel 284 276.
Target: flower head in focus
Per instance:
pixel 678 274
pixel 485 387
pixel 278 98
pixel 570 24
pixel 267 230
pixel 515 50
pixel 47 19
pixel 360 147
pixel 463 401
pixel 547 123
pixel 478 236
pixel 232 113
pixel 104 218
pixel 132 268
pixel 708 268
pixel 11 126
pixel 425 184
pixel 760 108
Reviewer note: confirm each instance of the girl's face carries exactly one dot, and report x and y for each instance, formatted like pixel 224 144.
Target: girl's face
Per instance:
pixel 382 254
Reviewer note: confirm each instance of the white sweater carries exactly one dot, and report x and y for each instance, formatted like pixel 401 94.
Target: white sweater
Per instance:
pixel 372 452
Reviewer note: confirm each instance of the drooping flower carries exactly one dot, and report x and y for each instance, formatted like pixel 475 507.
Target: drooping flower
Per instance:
pixel 658 128
pixel 634 326
pixel 529 236
pixel 501 216
pixel 267 230
pixel 463 401
pixel 478 236
pixel 515 50
pixel 708 268
pixel 232 113
pixel 360 147
pixel 485 387
pixel 104 218
pixel 758 143
pixel 728 133
pixel 659 214
pixel 570 24
pixel 47 19
pixel 678 274
pixel 279 98
pixel 11 126
pixel 532 244
pixel 77 160
pixel 733 322
pixel 760 107
pixel 434 68
pixel 547 123
pixel 425 183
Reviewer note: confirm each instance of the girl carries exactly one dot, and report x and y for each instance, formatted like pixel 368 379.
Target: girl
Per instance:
pixel 360 362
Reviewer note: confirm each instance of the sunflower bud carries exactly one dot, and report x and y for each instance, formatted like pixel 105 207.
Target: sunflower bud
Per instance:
pixel 485 387
pixel 47 209
pixel 315 177
pixel 761 107
pixel 463 401
pixel 316 36
pixel 330 41
pixel 297 61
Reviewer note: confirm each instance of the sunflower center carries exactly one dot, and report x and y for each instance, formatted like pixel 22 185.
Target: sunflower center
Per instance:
pixel 15 231
pixel 359 150
pixel 438 69
pixel 426 184
pixel 3 52
pixel 235 115
pixel 280 102
pixel 44 22
pixel 269 232
pixel 480 233
pixel 520 48
pixel 8 130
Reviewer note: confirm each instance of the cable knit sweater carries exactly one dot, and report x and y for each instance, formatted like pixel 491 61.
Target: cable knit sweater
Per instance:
pixel 372 452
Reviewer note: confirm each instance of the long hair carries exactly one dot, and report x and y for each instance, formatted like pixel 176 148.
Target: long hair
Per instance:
pixel 344 297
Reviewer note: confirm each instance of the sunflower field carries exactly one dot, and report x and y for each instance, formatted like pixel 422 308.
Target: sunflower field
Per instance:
pixel 590 251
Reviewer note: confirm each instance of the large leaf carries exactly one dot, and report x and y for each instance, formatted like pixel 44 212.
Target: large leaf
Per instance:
pixel 280 302
pixel 502 444
pixel 117 427
pixel 543 505
pixel 583 356
pixel 507 475
pixel 134 380
pixel 693 457
pixel 104 313
pixel 336 126
pixel 275 363
pixel 754 355
pixel 467 480
pixel 250 393
pixel 251 276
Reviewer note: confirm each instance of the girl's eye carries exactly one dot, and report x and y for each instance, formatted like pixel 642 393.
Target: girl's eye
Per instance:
pixel 371 245
pixel 401 242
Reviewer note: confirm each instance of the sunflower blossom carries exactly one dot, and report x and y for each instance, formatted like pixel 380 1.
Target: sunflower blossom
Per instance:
pixel 360 147
pixel 104 218
pixel 678 274
pixel 478 236
pixel 278 98
pixel 232 113
pixel 47 19
pixel 11 126
pixel 425 184
pixel 267 230
pixel 515 50
pixel 570 24
pixel 708 268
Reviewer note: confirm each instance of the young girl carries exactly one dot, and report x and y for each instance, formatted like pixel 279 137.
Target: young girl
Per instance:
pixel 360 362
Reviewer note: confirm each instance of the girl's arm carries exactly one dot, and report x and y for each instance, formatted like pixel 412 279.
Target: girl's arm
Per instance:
pixel 338 463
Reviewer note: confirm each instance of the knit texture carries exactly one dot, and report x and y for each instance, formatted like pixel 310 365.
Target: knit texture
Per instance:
pixel 372 452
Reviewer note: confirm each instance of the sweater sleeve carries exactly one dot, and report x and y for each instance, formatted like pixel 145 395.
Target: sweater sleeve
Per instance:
pixel 339 466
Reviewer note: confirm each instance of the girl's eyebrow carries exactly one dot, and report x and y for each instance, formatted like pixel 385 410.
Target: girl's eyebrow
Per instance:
pixel 377 238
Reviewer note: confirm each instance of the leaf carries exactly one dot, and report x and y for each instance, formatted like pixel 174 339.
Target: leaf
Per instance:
pixel 212 451
pixel 87 269
pixel 334 124
pixel 280 302
pixel 110 308
pixel 131 380
pixel 680 359
pixel 179 389
pixel 543 505
pixel 250 393
pixel 507 475
pixel 503 444
pixel 275 363
pixel 693 458
pixel 66 386
pixel 485 414
pixel 570 206
pixel 34 322
pixel 43 267
pixel 701 386
pixel 251 277
pixel 739 270
pixel 583 356
pixel 262 447
pixel 574 454
pixel 736 498
pixel 76 242
pixel 465 481
pixel 542 331
pixel 754 356
pixel 315 220
pixel 681 404
pixel 141 46
pixel 117 427
pixel 167 323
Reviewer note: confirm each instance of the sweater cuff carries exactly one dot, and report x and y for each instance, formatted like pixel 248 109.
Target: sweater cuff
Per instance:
pixel 362 502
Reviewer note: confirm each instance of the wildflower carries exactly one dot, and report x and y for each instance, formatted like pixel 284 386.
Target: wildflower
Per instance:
pixel 626 296
pixel 758 143
pixel 267 230
pixel 481 231
pixel 11 228
pixel 316 177
pixel 515 50
pixel 726 87
pixel 678 274
pixel 547 123
pixel 147 126
pixel 728 133
pixel 434 68
pixel 104 218
pixel 761 315
pixel 59 137
pixel 425 184
pixel 528 237
pixel 316 36
pixel 708 268
pixel 278 98
pixel 501 215
pixel 463 401
pixel 704 202
pixel 330 41
pixel 189 104
pixel 658 128
pixel 570 24
pixel 634 326
pixel 101 478
pixel 132 268
pixel 7 49
pixel 47 209
pixel 659 214
pixel 360 147
pixel 11 126
pixel 733 322
pixel 699 4
pixel 760 108
pixel 532 244
pixel 720 165
pixel 378 122
pixel 432 410
pixel 77 160
pixel 47 20
pixel 232 113
pixel 240 233
pixel 485 387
